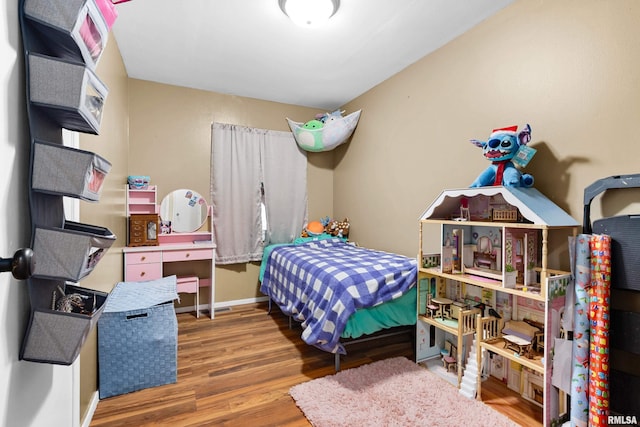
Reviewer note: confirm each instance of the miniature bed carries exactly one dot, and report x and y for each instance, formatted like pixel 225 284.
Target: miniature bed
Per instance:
pixel 340 292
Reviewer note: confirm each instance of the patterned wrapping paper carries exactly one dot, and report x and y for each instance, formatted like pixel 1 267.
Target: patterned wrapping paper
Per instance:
pixel 599 318
pixel 579 379
pixel 580 372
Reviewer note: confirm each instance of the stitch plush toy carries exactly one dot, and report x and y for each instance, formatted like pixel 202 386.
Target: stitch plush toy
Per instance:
pixel 500 149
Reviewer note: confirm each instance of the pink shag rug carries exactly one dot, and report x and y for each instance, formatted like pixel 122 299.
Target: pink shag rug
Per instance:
pixel 391 392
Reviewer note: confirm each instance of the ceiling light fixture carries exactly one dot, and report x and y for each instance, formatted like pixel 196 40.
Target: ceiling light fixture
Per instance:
pixel 309 13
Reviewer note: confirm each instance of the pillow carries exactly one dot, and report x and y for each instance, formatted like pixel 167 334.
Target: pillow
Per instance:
pixel 520 329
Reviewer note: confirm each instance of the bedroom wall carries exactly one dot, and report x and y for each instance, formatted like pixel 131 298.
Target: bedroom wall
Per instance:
pixel 569 68
pixel 112 144
pixel 170 140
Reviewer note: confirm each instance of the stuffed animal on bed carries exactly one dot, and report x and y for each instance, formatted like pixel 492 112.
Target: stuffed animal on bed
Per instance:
pixel 501 148
pixel 338 228
pixel 312 229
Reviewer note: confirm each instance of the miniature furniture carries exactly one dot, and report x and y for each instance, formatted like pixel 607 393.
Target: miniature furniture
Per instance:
pixel 520 239
pixel 444 306
pixel 517 344
pixel 433 308
pixel 449 360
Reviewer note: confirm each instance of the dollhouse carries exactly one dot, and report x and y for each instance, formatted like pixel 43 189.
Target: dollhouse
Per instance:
pixel 493 293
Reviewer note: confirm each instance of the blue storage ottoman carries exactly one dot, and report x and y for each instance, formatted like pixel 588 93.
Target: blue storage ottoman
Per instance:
pixel 138 337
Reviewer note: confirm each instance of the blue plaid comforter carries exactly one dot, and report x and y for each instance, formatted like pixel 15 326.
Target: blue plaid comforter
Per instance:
pixel 321 283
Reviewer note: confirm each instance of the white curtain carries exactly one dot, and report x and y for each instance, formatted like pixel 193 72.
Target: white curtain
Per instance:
pixel 243 161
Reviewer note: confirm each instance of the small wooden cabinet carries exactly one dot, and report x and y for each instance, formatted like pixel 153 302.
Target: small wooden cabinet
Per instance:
pixel 142 216
pixel 489 269
pixel 144 229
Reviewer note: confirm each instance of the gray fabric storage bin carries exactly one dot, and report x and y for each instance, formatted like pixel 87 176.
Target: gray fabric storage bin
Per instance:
pixel 69 253
pixel 138 337
pixel 64 22
pixel 57 337
pixel 69 92
pixel 67 171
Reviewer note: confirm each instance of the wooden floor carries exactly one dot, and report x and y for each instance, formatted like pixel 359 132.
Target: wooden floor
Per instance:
pixel 237 370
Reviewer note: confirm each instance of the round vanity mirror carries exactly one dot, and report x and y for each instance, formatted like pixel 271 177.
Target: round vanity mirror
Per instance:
pixel 186 211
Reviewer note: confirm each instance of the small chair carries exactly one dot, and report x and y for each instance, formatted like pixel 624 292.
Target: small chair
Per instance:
pixel 190 285
pixel 450 362
pixel 433 308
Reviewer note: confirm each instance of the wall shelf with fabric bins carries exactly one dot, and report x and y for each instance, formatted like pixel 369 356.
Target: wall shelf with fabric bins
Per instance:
pixel 70 252
pixel 59 324
pixel 62 42
pixel 68 171
pixel 69 92
pixel 74 29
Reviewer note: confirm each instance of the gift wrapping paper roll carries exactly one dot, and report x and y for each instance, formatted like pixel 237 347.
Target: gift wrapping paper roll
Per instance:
pixel 580 245
pixel 599 300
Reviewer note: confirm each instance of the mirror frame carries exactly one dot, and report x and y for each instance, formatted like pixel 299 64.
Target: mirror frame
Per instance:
pixel 192 199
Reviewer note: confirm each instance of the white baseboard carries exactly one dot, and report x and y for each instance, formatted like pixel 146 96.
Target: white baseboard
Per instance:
pixel 93 404
pixel 224 304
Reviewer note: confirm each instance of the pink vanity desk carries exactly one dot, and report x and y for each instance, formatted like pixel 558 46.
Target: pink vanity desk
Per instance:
pixel 143 263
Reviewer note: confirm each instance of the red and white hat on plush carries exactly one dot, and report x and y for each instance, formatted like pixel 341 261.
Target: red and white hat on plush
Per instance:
pixel 510 129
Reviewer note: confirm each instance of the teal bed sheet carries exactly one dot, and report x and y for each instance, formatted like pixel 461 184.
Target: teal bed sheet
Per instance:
pixel 265 257
pixel 398 312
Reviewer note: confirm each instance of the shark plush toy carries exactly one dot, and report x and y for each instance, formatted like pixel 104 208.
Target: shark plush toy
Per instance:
pixel 501 149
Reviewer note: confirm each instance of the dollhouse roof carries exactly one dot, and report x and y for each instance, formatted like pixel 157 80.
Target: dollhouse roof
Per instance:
pixel 531 203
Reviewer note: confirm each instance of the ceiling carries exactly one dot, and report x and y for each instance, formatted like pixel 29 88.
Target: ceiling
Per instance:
pixel 249 48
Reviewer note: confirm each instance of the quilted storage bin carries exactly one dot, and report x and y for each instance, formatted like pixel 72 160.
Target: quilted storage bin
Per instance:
pixel 69 92
pixel 138 337
pixel 67 171
pixel 75 29
pixel 69 253
pixel 57 337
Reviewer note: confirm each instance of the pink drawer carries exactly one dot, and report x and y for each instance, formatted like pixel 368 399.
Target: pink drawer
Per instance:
pixel 142 257
pixel 187 255
pixel 187 285
pixel 140 272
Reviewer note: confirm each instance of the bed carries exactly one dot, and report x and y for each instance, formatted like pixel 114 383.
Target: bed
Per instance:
pixel 339 291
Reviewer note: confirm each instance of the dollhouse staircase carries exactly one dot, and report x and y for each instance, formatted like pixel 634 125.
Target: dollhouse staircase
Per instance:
pixel 469 384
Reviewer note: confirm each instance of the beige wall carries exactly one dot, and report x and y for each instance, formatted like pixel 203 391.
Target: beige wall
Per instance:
pixel 569 68
pixel 112 144
pixel 170 134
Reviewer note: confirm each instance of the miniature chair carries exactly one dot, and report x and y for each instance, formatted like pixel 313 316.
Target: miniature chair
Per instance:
pixel 450 362
pixel 538 341
pixel 431 307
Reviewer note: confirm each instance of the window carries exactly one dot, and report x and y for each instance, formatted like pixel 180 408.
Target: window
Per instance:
pixel 258 190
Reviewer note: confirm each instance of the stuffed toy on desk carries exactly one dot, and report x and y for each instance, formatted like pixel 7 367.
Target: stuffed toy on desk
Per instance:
pixel 504 147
